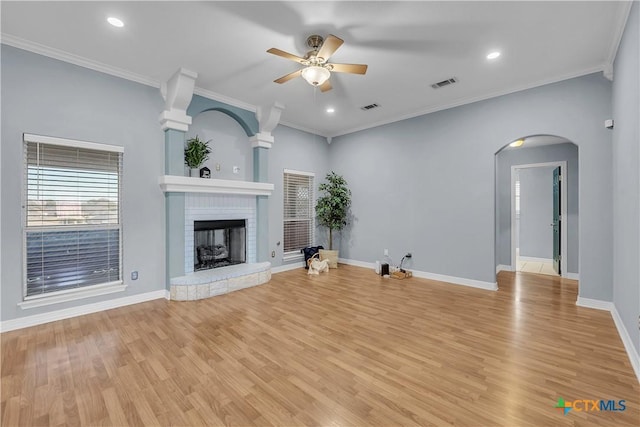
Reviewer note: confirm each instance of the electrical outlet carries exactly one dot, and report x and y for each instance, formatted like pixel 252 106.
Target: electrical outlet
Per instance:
pixel 218 167
pixel 236 169
pixel 134 275
pixel 386 252
pixel 273 254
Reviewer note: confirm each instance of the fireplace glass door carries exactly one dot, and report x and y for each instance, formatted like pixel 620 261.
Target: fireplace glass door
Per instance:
pixel 219 243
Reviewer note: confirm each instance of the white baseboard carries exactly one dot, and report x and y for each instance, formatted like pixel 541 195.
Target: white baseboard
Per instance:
pixel 594 303
pixel 39 319
pixel 371 265
pixel 572 276
pixel 286 267
pixel 502 267
pixel 491 286
pixel 632 352
pixel 534 259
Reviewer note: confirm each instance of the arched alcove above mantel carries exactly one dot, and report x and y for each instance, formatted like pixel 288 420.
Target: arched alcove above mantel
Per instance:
pixel 245 118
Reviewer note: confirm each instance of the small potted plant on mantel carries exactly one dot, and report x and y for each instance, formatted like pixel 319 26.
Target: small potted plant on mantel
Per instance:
pixel 195 154
pixel 332 209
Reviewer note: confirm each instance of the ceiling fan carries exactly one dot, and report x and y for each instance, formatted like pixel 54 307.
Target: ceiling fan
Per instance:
pixel 316 69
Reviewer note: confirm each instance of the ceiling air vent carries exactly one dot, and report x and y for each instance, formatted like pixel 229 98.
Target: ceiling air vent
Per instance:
pixel 444 83
pixel 369 107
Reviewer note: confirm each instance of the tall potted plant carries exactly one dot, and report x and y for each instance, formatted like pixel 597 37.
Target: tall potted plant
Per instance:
pixel 332 209
pixel 195 154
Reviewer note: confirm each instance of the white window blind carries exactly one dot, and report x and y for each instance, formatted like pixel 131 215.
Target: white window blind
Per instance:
pixel 72 214
pixel 298 210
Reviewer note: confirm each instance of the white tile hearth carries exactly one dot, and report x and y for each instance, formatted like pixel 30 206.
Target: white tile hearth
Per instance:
pixel 218 281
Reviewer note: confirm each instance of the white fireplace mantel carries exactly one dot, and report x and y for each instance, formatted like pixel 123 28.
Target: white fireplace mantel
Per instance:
pixel 185 184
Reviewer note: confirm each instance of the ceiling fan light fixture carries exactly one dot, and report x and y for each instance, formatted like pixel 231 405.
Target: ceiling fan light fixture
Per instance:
pixel 315 75
pixel 517 143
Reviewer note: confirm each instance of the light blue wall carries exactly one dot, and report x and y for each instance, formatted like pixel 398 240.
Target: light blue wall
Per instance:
pixel 426 185
pixel 293 149
pixel 528 155
pixel 229 145
pixel 49 97
pixel 626 179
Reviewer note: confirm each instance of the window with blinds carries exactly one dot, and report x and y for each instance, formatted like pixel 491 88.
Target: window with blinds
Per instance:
pixel 298 210
pixel 72 221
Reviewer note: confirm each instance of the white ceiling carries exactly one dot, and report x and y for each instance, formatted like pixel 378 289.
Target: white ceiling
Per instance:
pixel 407 45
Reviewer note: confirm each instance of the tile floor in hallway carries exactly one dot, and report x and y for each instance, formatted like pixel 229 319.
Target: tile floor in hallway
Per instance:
pixel 535 267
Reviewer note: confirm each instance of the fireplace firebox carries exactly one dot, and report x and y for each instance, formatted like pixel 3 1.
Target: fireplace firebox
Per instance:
pixel 219 243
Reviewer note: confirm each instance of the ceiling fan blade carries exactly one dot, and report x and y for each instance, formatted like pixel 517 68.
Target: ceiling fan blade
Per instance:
pixel 288 77
pixel 286 55
pixel 326 86
pixel 349 68
pixel 329 46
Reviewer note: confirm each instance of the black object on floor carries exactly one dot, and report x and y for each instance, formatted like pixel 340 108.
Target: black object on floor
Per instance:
pixel 309 252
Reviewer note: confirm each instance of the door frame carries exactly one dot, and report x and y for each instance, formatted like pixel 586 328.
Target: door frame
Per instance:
pixel 563 212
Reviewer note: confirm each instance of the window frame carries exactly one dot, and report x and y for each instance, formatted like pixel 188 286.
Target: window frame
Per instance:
pixel 54 297
pixel 296 254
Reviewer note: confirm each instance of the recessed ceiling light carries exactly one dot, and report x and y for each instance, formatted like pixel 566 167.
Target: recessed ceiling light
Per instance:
pixel 115 22
pixel 331 110
pixel 517 143
pixel 493 55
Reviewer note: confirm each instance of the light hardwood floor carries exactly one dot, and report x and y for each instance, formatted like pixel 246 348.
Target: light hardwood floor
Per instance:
pixel 347 348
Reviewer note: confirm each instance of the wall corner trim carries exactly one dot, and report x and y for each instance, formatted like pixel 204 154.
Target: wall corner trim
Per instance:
pixel 52 316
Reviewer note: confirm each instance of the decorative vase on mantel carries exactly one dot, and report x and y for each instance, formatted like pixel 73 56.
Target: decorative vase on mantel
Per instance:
pixel 195 154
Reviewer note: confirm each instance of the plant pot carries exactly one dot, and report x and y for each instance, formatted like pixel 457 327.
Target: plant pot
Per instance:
pixel 194 173
pixel 332 256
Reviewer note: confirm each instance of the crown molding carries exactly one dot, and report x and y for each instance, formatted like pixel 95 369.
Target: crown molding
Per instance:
pixel 80 61
pixel 303 128
pixel 118 72
pixel 621 18
pixel 226 99
pixel 471 100
pixel 71 58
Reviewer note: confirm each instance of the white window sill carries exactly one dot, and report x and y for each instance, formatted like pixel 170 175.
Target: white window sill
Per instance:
pixel 293 256
pixel 72 295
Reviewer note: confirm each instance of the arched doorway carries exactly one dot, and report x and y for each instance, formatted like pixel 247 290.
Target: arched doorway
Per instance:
pixel 544 238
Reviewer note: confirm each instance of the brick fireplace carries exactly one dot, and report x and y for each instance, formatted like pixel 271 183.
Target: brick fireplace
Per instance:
pixel 212 207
